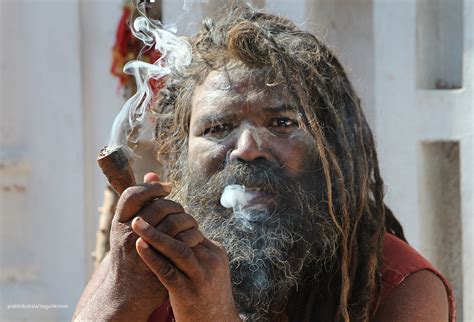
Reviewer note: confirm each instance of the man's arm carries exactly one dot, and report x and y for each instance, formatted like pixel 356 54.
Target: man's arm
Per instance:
pixel 111 302
pixel 94 283
pixel 421 297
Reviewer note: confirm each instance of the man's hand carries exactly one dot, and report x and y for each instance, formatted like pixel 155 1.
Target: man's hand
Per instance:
pixel 130 290
pixel 197 278
pixel 138 290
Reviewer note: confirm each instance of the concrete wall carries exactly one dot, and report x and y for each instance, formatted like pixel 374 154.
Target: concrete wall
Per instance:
pixel 57 104
pixel 421 120
pixel 41 218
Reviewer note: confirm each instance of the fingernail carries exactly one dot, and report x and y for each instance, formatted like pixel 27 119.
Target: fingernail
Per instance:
pixel 141 223
pixel 141 243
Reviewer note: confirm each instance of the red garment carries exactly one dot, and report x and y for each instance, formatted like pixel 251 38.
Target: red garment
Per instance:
pixel 400 261
pixel 162 314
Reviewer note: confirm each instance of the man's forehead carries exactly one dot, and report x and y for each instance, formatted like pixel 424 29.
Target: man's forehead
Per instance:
pixel 236 85
pixel 236 77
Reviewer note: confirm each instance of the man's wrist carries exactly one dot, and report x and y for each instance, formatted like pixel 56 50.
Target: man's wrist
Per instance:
pixel 112 303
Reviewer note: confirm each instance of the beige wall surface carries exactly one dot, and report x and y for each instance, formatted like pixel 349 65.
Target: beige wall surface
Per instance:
pixel 410 61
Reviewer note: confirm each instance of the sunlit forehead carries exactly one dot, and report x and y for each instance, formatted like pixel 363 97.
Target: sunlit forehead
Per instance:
pixel 238 89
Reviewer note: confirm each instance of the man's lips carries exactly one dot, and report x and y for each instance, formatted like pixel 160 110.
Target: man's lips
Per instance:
pixel 257 196
pixel 238 196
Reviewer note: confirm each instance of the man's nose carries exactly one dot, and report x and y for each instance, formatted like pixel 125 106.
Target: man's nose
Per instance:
pixel 249 147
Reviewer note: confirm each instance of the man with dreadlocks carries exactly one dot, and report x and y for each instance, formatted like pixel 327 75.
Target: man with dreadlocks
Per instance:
pixel 266 106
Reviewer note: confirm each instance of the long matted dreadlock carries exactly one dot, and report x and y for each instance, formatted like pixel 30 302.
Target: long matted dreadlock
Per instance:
pixel 330 112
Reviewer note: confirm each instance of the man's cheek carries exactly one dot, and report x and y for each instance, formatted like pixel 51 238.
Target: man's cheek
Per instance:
pixel 207 158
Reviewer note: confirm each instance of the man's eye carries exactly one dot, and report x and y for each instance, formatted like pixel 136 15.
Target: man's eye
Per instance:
pixel 220 130
pixel 283 124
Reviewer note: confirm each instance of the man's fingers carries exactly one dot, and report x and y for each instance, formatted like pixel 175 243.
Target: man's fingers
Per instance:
pixel 174 224
pixel 158 209
pixel 169 218
pixel 176 251
pixel 150 177
pixel 166 272
pixel 134 198
pixel 191 237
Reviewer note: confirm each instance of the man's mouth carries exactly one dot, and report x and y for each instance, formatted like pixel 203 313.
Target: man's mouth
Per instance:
pixel 239 197
pixel 258 197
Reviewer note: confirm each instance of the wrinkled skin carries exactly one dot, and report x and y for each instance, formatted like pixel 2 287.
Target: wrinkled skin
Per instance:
pixel 235 113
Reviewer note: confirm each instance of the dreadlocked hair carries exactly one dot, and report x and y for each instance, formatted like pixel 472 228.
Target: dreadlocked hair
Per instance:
pixel 329 111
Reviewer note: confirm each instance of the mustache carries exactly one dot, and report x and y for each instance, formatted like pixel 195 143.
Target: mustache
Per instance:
pixel 261 174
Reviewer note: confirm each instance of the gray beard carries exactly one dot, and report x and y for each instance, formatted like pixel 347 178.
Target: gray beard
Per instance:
pixel 271 251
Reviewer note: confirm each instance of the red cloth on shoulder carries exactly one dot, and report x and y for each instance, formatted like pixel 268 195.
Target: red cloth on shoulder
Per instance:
pixel 400 261
pixel 162 314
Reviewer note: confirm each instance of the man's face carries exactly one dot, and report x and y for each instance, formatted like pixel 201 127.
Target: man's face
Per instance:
pixel 244 131
pixel 237 116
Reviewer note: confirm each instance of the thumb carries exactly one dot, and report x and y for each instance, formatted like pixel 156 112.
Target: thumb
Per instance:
pixel 150 177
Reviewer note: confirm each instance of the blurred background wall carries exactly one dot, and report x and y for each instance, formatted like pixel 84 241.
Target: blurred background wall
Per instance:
pixel 411 62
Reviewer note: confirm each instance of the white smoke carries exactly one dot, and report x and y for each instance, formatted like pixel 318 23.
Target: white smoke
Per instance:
pixel 135 119
pixel 238 198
